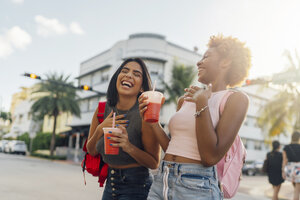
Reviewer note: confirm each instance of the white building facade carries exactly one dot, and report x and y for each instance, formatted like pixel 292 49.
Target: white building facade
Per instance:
pixel 256 142
pixel 22 121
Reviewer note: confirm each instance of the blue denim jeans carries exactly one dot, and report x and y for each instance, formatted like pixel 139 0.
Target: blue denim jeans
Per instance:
pixel 177 181
pixel 127 184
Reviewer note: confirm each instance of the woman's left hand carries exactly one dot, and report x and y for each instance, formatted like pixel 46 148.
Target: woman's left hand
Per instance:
pixel 195 94
pixel 121 139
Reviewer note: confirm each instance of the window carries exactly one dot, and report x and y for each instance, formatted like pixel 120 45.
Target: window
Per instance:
pixel 84 105
pixel 250 121
pixel 86 80
pixel 156 70
pixel 257 145
pixel 20 118
pixel 96 78
pixel 99 77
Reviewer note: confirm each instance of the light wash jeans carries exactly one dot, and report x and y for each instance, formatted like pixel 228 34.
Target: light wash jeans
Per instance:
pixel 180 181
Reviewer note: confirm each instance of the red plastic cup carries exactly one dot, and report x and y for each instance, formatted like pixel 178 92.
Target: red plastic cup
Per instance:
pixel 151 115
pixel 108 149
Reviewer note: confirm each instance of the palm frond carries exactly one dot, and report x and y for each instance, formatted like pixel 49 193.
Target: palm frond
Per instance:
pixel 182 77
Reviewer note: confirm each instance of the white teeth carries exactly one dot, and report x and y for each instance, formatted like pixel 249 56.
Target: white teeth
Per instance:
pixel 127 83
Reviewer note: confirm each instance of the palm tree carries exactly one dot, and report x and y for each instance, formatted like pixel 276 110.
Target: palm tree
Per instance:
pixel 282 113
pixel 182 77
pixel 57 95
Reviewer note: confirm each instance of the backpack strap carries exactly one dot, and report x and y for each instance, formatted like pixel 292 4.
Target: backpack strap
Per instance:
pixel 224 100
pixel 101 109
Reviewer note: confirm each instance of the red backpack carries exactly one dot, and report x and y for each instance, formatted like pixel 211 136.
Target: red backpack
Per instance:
pixel 94 164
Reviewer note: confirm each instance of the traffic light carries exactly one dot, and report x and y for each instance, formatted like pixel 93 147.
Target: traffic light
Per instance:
pixel 85 87
pixel 33 76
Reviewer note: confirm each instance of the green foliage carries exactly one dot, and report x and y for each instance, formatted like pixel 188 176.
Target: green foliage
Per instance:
pixel 57 96
pixel 41 141
pixel 182 77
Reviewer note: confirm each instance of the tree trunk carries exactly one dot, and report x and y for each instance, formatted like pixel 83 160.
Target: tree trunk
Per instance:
pixel 52 144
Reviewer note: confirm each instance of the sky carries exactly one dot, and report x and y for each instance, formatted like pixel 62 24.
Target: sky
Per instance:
pixel 57 35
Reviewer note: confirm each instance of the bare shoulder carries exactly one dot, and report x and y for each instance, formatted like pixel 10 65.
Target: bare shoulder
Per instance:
pixel 238 100
pixel 239 96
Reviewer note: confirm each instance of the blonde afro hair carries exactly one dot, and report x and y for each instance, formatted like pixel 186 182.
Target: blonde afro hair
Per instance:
pixel 235 50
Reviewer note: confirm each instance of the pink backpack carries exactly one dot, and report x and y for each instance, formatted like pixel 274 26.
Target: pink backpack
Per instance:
pixel 229 168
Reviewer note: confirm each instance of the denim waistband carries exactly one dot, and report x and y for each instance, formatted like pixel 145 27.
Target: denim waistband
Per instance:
pixel 187 168
pixel 128 171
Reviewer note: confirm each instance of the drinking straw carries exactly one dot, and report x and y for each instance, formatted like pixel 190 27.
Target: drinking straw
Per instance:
pixel 154 85
pixel 114 119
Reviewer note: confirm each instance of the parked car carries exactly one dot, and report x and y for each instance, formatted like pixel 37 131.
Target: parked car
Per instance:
pixel 15 146
pixel 251 168
pixel 2 144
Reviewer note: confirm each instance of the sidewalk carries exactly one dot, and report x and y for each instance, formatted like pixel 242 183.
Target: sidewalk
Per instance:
pixel 285 193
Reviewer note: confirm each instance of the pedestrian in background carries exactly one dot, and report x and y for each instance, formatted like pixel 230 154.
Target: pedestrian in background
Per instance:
pixel 273 168
pixel 291 163
pixel 128 173
pixel 200 137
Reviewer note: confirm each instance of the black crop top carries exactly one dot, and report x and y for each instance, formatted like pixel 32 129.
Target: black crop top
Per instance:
pixel 134 130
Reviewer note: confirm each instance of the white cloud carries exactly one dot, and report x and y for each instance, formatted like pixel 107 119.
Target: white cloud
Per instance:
pixel 18 37
pixel 18 1
pixel 5 48
pixel 14 38
pixel 76 29
pixel 48 27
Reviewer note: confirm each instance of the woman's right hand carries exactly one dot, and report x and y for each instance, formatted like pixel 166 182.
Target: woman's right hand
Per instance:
pixel 143 105
pixel 108 122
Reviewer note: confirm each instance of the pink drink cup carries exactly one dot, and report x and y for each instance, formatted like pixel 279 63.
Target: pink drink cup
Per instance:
pixel 153 108
pixel 108 149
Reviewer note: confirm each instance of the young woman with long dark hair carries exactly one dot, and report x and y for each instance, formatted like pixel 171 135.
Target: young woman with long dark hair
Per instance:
pixel 128 173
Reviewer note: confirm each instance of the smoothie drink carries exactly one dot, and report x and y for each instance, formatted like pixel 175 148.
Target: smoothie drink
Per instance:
pixel 108 149
pixel 153 108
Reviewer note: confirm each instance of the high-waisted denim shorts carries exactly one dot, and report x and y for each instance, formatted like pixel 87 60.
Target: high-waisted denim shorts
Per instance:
pixel 178 181
pixel 127 184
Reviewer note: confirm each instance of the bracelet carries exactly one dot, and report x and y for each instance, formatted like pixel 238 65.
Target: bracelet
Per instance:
pixel 197 114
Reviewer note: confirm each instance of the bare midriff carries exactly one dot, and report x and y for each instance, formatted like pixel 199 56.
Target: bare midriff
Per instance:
pixel 180 159
pixel 125 166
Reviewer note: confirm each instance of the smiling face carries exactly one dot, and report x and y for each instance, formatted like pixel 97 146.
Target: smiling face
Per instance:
pixel 130 79
pixel 208 66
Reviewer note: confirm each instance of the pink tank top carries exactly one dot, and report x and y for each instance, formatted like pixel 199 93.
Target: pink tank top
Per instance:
pixel 182 126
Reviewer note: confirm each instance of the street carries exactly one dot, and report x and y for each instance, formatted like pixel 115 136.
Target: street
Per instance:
pixel 26 178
